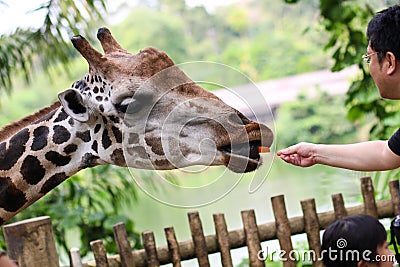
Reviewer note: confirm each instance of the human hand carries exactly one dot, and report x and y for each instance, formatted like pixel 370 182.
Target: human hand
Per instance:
pixel 5 261
pixel 301 154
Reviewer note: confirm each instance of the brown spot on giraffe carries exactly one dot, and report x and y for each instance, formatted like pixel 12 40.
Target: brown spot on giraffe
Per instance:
pixel 32 170
pixel 40 135
pixel 11 198
pixel 156 145
pixel 16 148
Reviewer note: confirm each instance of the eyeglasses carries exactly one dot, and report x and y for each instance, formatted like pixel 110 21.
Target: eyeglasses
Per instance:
pixel 367 57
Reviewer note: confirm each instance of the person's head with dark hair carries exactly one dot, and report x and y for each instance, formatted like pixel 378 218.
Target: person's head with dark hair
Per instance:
pixel 356 241
pixel 383 51
pixel 383 32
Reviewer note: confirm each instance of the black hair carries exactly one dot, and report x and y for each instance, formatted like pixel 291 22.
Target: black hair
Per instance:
pixel 383 32
pixel 352 239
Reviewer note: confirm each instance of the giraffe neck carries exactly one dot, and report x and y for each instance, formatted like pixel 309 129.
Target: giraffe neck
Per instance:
pixel 45 153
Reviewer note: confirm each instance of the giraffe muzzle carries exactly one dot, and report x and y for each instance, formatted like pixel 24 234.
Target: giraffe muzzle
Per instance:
pixel 242 154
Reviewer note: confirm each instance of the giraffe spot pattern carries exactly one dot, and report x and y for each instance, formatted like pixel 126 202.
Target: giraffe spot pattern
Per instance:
pixel 97 128
pixel 162 163
pixel 9 191
pixel 117 133
pixel 84 136
pixel 89 160
pixel 155 144
pixel 139 150
pixel 114 119
pixel 62 116
pixel 79 84
pixel 10 156
pixel 52 182
pixel 57 159
pixel 95 146
pixel 118 157
pixel 32 170
pixel 105 139
pixel 40 138
pixel 61 134
pixel 133 138
pixel 71 148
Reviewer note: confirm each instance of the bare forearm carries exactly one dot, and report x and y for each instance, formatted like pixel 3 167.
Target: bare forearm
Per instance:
pixel 366 156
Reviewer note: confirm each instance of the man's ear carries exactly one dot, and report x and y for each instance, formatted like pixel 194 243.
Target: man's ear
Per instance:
pixel 73 104
pixel 392 63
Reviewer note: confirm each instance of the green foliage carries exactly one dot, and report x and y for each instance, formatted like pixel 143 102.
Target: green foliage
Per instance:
pixel 317 120
pixel 261 40
pixel 149 27
pixel 24 50
pixel 272 45
pixel 345 21
pixel 239 20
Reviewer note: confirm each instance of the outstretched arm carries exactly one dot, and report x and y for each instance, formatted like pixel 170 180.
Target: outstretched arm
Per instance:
pixel 365 156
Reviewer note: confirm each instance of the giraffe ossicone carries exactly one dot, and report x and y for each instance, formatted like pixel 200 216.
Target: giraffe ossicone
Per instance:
pixel 137 110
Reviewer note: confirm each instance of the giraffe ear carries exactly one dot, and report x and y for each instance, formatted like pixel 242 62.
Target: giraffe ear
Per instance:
pixel 73 104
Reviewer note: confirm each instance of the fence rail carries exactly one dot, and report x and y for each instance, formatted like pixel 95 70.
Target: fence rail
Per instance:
pixel 19 243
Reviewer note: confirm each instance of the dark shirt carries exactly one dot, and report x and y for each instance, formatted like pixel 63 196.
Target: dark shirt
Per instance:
pixel 394 142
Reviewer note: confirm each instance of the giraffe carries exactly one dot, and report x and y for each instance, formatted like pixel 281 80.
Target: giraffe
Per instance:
pixel 120 113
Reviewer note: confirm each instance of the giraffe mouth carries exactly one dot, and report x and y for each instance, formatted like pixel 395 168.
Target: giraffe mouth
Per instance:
pixel 249 150
pixel 242 154
pixel 244 157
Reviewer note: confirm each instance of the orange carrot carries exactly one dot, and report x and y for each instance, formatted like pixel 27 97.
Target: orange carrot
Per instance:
pixel 263 149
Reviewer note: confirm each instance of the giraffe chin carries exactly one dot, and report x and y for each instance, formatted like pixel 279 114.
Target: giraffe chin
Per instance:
pixel 239 163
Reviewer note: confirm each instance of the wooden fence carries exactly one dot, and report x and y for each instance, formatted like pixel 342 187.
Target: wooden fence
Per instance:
pixel 31 242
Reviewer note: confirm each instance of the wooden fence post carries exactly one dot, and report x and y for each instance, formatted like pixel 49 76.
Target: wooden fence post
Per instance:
pixel 338 206
pixel 199 240
pixel 283 232
pixel 221 231
pixel 75 257
pixel 312 228
pixel 150 247
pixel 367 191
pixel 31 242
pixel 252 238
pixel 100 253
pixel 173 246
pixel 123 245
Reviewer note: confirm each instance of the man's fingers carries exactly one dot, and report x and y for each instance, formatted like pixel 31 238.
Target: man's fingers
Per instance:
pixel 288 150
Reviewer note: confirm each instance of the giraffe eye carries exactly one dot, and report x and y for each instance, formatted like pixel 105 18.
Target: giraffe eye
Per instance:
pixel 126 105
pixel 132 105
pixel 127 101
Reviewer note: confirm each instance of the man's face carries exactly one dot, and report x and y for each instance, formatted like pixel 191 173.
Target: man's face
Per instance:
pixel 375 69
pixel 386 74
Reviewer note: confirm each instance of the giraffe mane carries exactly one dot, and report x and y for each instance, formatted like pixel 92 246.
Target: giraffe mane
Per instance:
pixel 14 127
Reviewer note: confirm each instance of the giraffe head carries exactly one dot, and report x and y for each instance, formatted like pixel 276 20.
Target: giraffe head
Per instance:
pixel 149 114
